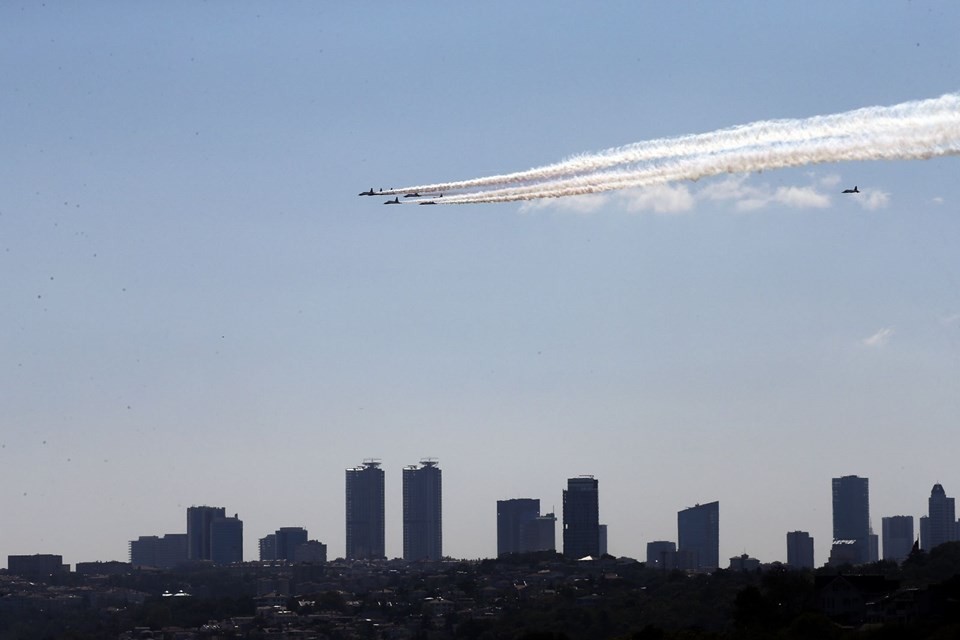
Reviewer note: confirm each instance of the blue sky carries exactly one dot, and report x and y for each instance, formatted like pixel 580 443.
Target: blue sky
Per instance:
pixel 197 309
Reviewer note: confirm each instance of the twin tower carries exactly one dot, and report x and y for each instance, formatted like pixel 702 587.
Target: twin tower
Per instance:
pixel 422 511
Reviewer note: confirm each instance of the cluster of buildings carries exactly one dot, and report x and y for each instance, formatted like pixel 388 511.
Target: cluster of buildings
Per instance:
pixel 214 537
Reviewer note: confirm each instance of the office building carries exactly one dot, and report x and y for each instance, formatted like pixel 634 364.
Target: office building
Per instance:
pixel 799 550
pixel 422 511
pixel 199 520
pixel 541 534
pixel 662 554
pixel 226 540
pixel 940 524
pixel 581 518
pixel 897 537
pixel 514 518
pixel 365 511
pixel 698 538
pixel 167 552
pixel 603 540
pixel 851 521
pixel 287 540
pixel 310 552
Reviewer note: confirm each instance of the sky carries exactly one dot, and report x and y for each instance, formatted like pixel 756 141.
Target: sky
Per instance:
pixel 196 308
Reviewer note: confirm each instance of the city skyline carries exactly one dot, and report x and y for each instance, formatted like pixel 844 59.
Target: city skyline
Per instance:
pixel 195 301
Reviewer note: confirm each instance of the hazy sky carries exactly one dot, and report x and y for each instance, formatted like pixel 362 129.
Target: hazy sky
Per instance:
pixel 196 308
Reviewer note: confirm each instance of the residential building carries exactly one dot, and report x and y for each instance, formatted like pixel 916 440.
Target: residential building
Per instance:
pixel 422 511
pixel 164 552
pixel 365 511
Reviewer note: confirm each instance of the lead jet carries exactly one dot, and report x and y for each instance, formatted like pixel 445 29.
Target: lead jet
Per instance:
pixel 854 190
pixel 367 193
pixel 394 201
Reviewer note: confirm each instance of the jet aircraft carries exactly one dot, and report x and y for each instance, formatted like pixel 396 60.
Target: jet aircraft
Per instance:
pixel 394 201
pixel 367 193
pixel 428 202
pixel 854 190
pixel 412 195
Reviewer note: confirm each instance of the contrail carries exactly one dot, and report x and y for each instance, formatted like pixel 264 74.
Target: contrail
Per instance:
pixel 918 129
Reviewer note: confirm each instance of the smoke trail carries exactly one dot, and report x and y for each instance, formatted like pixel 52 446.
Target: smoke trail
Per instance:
pixel 864 134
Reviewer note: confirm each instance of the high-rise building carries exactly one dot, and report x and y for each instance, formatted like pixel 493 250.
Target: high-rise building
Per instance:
pixel 226 540
pixel 310 552
pixel 364 511
pixel 514 517
pixel 851 521
pixel 581 517
pixel 662 554
pixel 799 550
pixel 541 534
pixel 941 523
pixel 422 511
pixel 198 530
pixel 36 566
pixel 897 537
pixel 287 540
pixel 268 547
pixel 161 553
pixel 698 537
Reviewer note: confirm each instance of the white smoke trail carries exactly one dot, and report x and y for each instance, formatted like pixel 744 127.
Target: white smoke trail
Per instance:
pixel 885 147
pixel 784 143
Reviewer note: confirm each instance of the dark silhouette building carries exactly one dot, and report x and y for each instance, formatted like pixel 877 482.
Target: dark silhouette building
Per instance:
pixel 581 517
pixel 36 566
pixel 161 553
pixel 662 554
pixel 897 537
pixel 422 511
pixel 851 521
pixel 199 520
pixel 698 538
pixel 940 525
pixel 226 540
pixel 799 550
pixel 365 511
pixel 287 540
pixel 521 528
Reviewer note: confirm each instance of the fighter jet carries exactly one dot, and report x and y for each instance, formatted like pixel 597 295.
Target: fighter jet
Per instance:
pixel 412 195
pixel 394 201
pixel 854 190
pixel 367 193
pixel 428 202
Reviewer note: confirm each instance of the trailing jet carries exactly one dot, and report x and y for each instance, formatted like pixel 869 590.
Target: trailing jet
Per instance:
pixel 394 201
pixel 367 193
pixel 412 195
pixel 428 202
pixel 854 190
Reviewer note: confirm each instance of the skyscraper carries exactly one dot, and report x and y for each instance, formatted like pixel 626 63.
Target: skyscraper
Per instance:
pixel 581 517
pixel 698 537
pixel 799 550
pixel 364 511
pixel 226 540
pixel 422 511
pixel 198 530
pixel 851 520
pixel 513 519
pixel 941 521
pixel 897 537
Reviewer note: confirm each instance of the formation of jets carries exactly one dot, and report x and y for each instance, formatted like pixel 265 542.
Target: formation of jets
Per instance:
pixel 396 200
pixel 854 190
